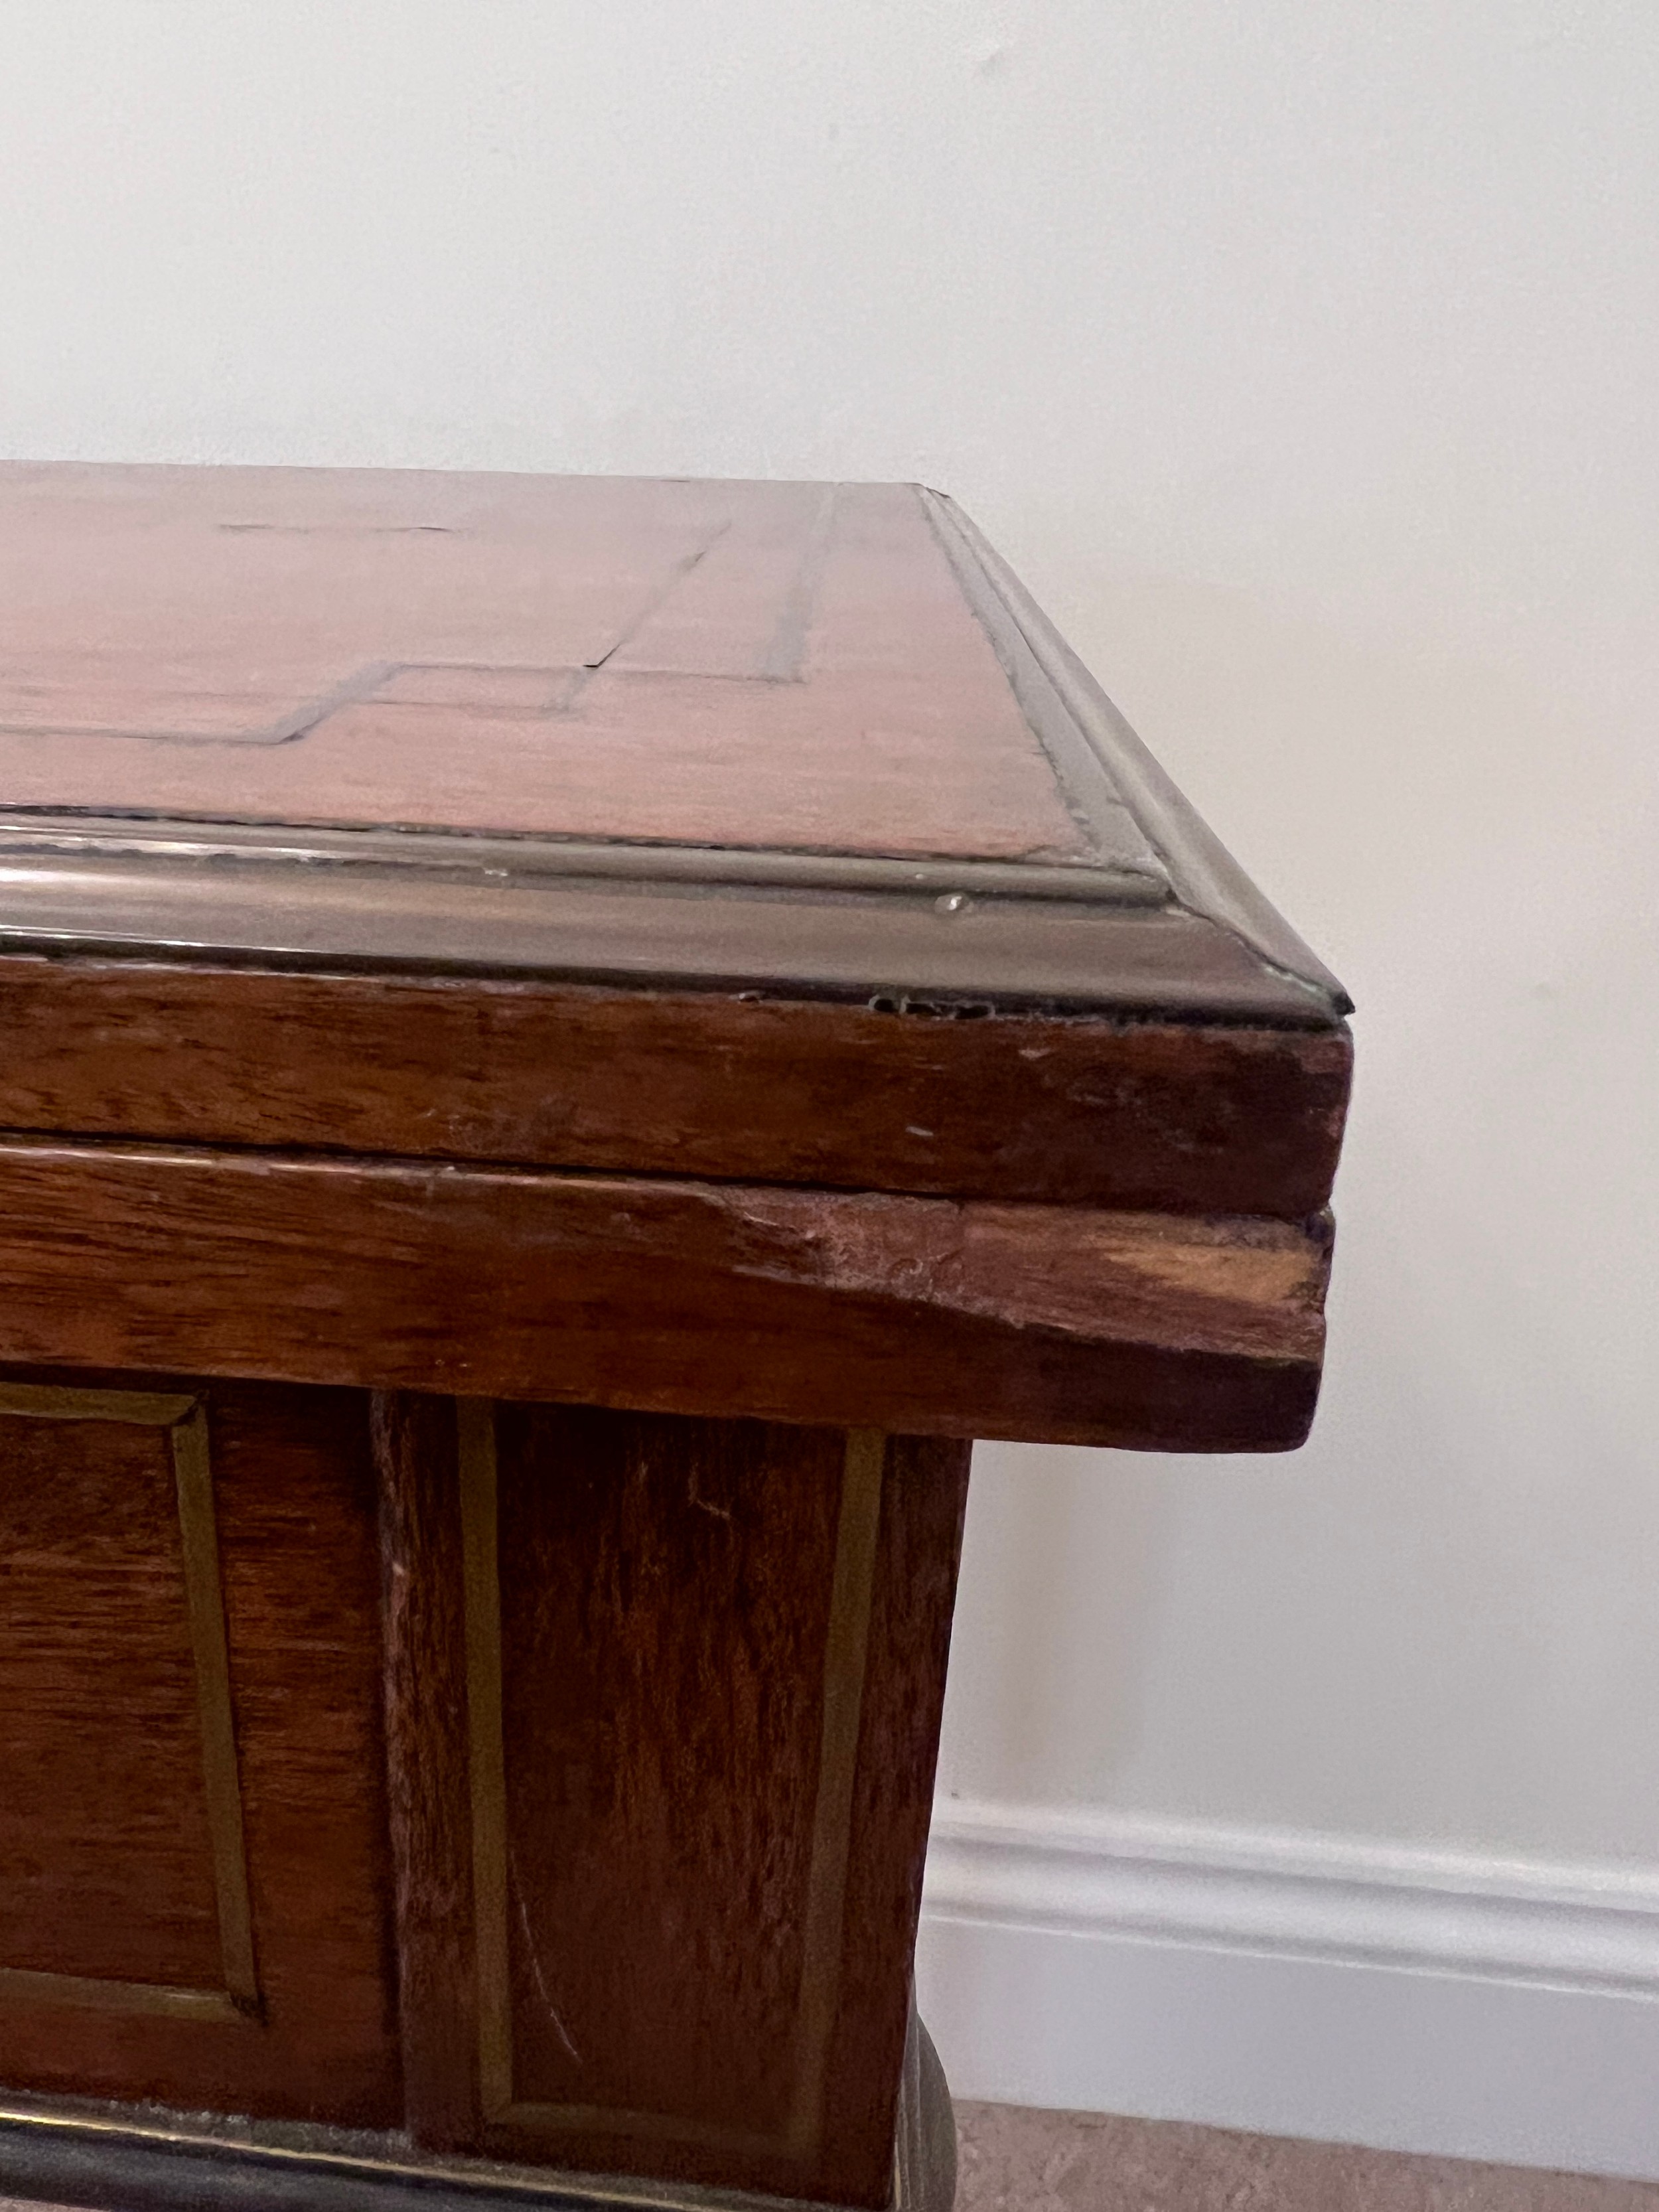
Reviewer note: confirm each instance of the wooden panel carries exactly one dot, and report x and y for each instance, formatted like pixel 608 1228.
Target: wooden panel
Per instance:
pixel 704 1667
pixel 666 1592
pixel 107 1854
pixel 983 1319
pixel 295 1528
pixel 1085 1113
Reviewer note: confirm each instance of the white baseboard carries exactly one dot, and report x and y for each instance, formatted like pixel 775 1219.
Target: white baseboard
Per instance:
pixel 1295 1985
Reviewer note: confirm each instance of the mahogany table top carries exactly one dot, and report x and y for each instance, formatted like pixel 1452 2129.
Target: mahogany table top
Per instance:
pixel 798 734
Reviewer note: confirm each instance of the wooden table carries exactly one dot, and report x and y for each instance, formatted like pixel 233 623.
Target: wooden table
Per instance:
pixel 568 1044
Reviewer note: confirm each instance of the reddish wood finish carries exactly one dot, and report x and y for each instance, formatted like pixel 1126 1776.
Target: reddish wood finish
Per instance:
pixel 94 1673
pixel 665 1593
pixel 666 1590
pixel 923 1504
pixel 106 1865
pixel 668 985
pixel 781 665
pixel 502 725
pixel 1149 1331
pixel 426 1724
pixel 1160 1116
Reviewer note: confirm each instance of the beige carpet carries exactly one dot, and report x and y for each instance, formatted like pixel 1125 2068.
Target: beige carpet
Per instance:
pixel 1014 2161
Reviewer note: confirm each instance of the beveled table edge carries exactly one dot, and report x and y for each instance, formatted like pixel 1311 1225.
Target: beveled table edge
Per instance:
pixel 1079 725
pixel 955 951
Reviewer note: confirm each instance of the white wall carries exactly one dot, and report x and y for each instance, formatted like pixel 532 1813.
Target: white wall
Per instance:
pixel 1302 356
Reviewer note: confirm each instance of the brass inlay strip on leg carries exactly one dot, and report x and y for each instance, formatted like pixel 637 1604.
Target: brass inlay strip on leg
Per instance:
pixel 847 1650
pixel 846 1653
pixel 185 1417
pixel 204 1597
pixel 474 1420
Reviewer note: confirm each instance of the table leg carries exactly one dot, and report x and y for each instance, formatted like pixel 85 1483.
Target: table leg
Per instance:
pixel 663 1704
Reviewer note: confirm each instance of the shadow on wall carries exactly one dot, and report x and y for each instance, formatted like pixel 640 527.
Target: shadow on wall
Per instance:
pixel 1435 1623
pixel 1055 1535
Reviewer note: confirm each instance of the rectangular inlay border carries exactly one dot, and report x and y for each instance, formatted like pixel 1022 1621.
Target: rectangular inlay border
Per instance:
pixel 846 1652
pixel 184 1418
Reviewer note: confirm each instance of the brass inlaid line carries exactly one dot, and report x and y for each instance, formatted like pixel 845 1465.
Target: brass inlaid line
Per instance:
pixel 536 2119
pixel 91 1993
pixel 185 1417
pixel 51 1401
pixel 846 1654
pixel 204 1600
pixel 475 1422
pixel 786 650
pixel 569 693
pixel 487 1776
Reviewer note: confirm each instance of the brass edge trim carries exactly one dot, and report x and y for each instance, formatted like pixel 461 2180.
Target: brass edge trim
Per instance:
pixel 1092 793
pixel 1012 953
pixel 491 2179
pixel 906 2135
pixel 535 2118
pixel 1204 875
pixel 204 1600
pixel 484 2178
pixel 847 1647
pixel 1100 881
pixel 475 1424
pixel 52 1401
pixel 91 1993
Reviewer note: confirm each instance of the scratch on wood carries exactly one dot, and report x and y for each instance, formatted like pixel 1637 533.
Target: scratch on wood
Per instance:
pixel 535 1957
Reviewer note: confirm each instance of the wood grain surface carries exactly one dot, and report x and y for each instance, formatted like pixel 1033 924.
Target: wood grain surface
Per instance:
pixel 973 1318
pixel 675 1618
pixel 924 1500
pixel 1158 1115
pixel 106 1862
pixel 426 1729
pixel 716 664
pixel 95 1690
pixel 812 737
pixel 665 1593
